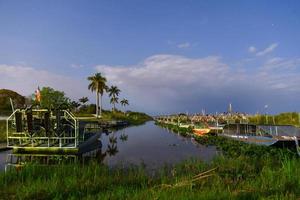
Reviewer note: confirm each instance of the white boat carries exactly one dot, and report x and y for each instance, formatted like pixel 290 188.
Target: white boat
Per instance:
pixel 268 135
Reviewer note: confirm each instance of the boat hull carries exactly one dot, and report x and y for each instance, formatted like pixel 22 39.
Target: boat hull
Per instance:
pixel 260 140
pixel 201 131
pixel 184 126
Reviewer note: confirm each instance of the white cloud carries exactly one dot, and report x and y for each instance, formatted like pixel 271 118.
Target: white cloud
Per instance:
pixel 267 50
pixel 252 49
pixel 278 63
pixel 76 66
pixel 26 79
pixel 174 83
pixel 163 77
pixel 170 82
pixel 282 73
pixel 184 45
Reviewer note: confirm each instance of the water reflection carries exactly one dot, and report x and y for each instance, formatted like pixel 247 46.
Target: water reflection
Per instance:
pixel 153 146
pixel 147 145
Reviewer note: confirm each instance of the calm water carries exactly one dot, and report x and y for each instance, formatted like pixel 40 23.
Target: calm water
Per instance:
pixel 3 117
pixel 154 146
pixel 3 155
pixel 146 144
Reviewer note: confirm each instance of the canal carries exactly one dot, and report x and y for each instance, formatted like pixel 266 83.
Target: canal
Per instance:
pixel 146 144
pixel 153 146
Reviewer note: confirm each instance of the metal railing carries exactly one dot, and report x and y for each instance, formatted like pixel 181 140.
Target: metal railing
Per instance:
pixel 67 136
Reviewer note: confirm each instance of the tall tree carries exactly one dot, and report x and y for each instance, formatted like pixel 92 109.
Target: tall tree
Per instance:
pixel 98 85
pixel 114 92
pixel 53 99
pixel 124 102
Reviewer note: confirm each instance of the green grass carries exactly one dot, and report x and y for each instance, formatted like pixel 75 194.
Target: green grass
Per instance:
pixel 242 177
pixel 289 118
pixel 241 171
pixel 133 118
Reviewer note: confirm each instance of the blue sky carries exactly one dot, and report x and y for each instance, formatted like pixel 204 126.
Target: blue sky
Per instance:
pixel 253 43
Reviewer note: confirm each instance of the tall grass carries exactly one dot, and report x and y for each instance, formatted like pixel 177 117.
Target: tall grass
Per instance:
pixel 241 177
pixel 133 118
pixel 290 118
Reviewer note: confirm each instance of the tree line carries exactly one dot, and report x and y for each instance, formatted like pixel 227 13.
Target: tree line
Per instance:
pixel 53 99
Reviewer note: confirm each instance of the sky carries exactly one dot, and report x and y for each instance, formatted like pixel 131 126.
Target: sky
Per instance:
pixel 166 56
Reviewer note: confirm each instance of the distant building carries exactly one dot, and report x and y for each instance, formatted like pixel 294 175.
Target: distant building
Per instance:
pixel 230 108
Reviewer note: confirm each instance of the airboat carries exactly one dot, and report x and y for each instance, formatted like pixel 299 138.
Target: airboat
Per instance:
pixel 268 135
pixel 49 134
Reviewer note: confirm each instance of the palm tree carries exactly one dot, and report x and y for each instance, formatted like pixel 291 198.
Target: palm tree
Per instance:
pixel 114 92
pixel 83 100
pixel 124 102
pixel 114 101
pixel 98 84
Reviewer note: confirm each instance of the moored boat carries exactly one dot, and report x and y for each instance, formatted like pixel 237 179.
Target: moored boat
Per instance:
pixel 201 131
pixel 184 125
pixel 268 135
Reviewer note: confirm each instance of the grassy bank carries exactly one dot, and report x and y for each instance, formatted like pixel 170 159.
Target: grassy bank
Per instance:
pixel 133 118
pixel 242 171
pixel 242 177
pixel 290 118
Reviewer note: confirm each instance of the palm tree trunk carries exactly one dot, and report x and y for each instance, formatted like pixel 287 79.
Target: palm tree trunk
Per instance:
pixel 97 103
pixel 101 105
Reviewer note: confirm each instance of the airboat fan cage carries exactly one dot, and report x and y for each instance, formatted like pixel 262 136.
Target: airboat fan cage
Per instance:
pixel 41 128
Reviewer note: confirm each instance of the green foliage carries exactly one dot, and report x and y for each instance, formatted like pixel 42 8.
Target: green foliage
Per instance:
pixel 114 100
pixel 124 102
pixel 239 177
pixel 97 83
pixel 289 118
pixel 113 93
pixel 133 118
pixel 52 99
pixel 87 109
pixel 5 107
pixel 83 100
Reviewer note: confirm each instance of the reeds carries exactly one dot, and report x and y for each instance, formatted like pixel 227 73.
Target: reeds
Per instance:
pixel 237 177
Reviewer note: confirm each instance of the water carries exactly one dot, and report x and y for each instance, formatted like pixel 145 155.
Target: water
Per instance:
pixel 154 146
pixel 146 144
pixel 3 117
pixel 3 155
